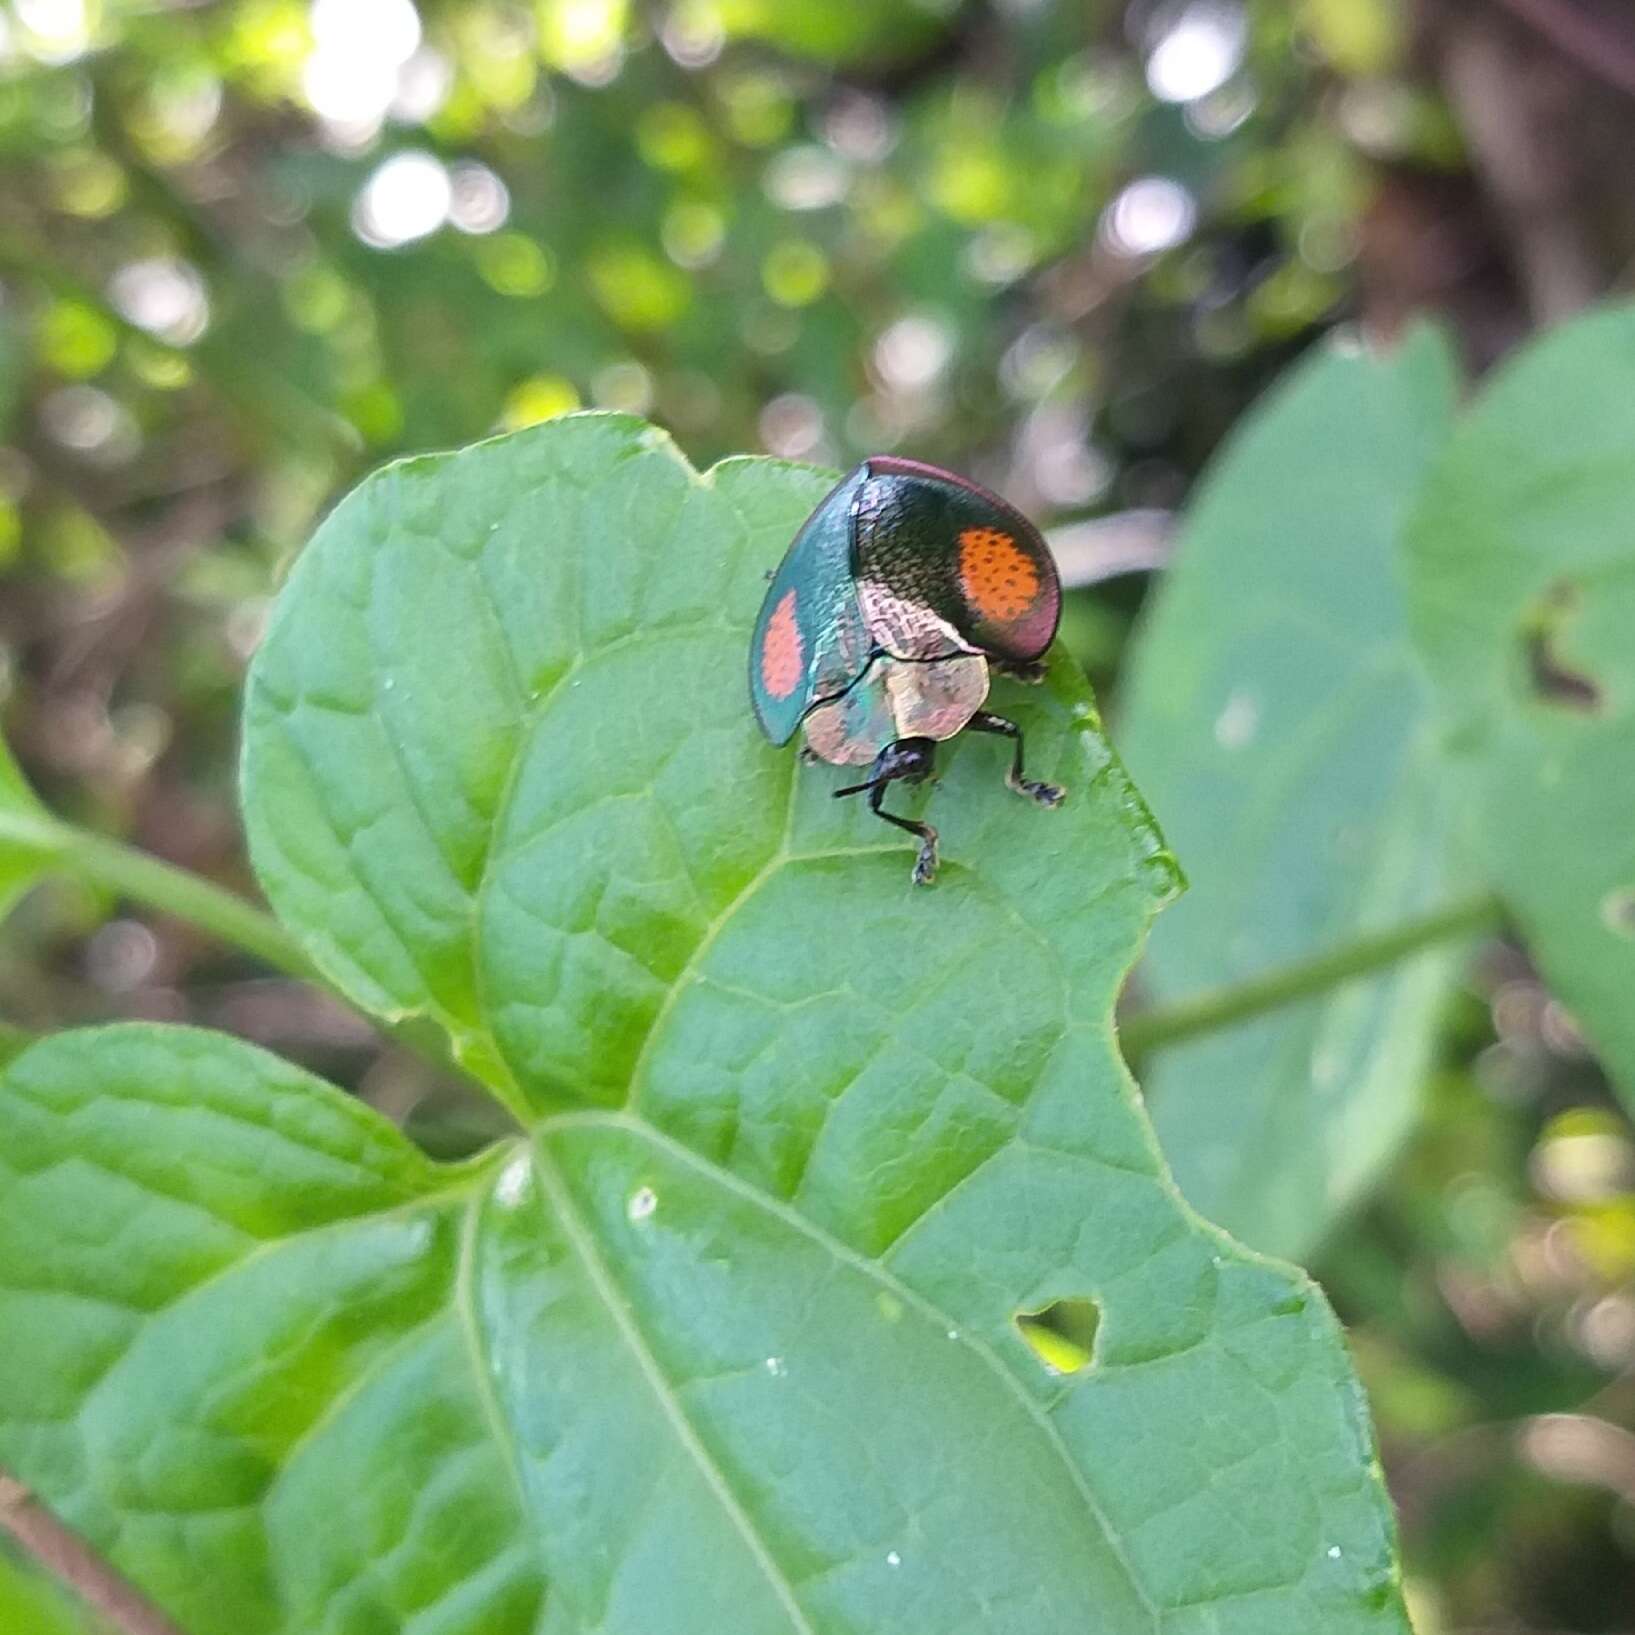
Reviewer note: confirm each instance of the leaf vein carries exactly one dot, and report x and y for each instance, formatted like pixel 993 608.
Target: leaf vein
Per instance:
pixel 601 1281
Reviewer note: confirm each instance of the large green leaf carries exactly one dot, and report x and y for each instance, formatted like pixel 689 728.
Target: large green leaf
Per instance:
pixel 728 1340
pixel 1522 583
pixel 1279 722
pixel 240 1338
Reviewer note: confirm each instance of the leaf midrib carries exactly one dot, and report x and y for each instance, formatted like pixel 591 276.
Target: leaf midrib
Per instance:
pixel 601 1282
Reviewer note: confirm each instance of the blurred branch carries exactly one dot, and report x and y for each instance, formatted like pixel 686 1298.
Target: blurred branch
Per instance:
pixel 1136 541
pixel 1592 42
pixel 1581 1449
pixel 1508 107
pixel 64 1554
pixel 1222 1007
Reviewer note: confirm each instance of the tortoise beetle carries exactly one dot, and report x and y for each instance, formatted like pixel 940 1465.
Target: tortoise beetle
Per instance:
pixel 901 592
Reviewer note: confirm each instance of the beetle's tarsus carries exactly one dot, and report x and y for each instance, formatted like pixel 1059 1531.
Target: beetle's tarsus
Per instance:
pixel 1045 794
pixel 925 865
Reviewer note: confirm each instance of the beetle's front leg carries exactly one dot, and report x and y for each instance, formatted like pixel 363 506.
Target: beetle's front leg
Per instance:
pixel 911 760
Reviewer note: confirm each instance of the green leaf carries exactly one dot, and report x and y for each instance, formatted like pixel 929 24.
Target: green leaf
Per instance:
pixel 13 1041
pixel 731 1341
pixel 1279 722
pixel 239 1350
pixel 839 31
pixel 1522 586
pixel 26 845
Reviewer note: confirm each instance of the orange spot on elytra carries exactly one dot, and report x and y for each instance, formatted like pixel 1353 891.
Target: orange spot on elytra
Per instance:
pixel 781 649
pixel 996 574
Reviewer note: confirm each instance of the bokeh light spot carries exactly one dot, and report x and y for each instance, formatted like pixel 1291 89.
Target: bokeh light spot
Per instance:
pixel 542 397
pixel 406 198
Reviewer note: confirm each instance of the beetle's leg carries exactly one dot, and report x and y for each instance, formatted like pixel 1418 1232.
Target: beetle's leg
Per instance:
pixel 911 760
pixel 925 864
pixel 1047 794
pixel 1030 672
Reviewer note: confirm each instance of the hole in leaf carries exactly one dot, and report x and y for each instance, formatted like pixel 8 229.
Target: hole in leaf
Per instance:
pixel 1555 681
pixel 1062 1335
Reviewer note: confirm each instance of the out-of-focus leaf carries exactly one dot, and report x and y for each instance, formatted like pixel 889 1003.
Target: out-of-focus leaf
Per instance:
pixel 13 1042
pixel 1522 590
pixel 1280 724
pixel 839 31
pixel 1359 37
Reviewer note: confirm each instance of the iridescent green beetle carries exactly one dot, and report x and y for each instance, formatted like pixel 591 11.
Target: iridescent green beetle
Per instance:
pixel 900 593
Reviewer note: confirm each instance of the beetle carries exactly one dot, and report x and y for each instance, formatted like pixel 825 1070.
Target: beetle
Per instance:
pixel 897 599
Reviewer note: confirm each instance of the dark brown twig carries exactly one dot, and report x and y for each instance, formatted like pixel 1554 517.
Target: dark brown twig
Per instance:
pixel 1513 117
pixel 64 1554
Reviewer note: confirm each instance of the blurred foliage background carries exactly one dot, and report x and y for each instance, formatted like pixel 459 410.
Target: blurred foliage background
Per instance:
pixel 251 248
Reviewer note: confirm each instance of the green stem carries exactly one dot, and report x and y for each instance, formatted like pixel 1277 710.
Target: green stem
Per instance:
pixel 144 879
pixel 1217 1008
pixel 189 897
pixel 140 878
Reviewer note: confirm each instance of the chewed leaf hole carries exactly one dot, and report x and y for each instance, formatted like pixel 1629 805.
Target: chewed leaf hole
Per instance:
pixel 1552 679
pixel 1062 1335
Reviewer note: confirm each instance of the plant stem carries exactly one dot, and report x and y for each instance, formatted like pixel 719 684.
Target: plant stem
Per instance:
pixel 1220 1007
pixel 148 880
pixel 223 914
pixel 62 1552
pixel 190 897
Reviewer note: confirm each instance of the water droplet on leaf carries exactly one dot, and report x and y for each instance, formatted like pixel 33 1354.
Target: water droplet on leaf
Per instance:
pixel 515 1179
pixel 1235 726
